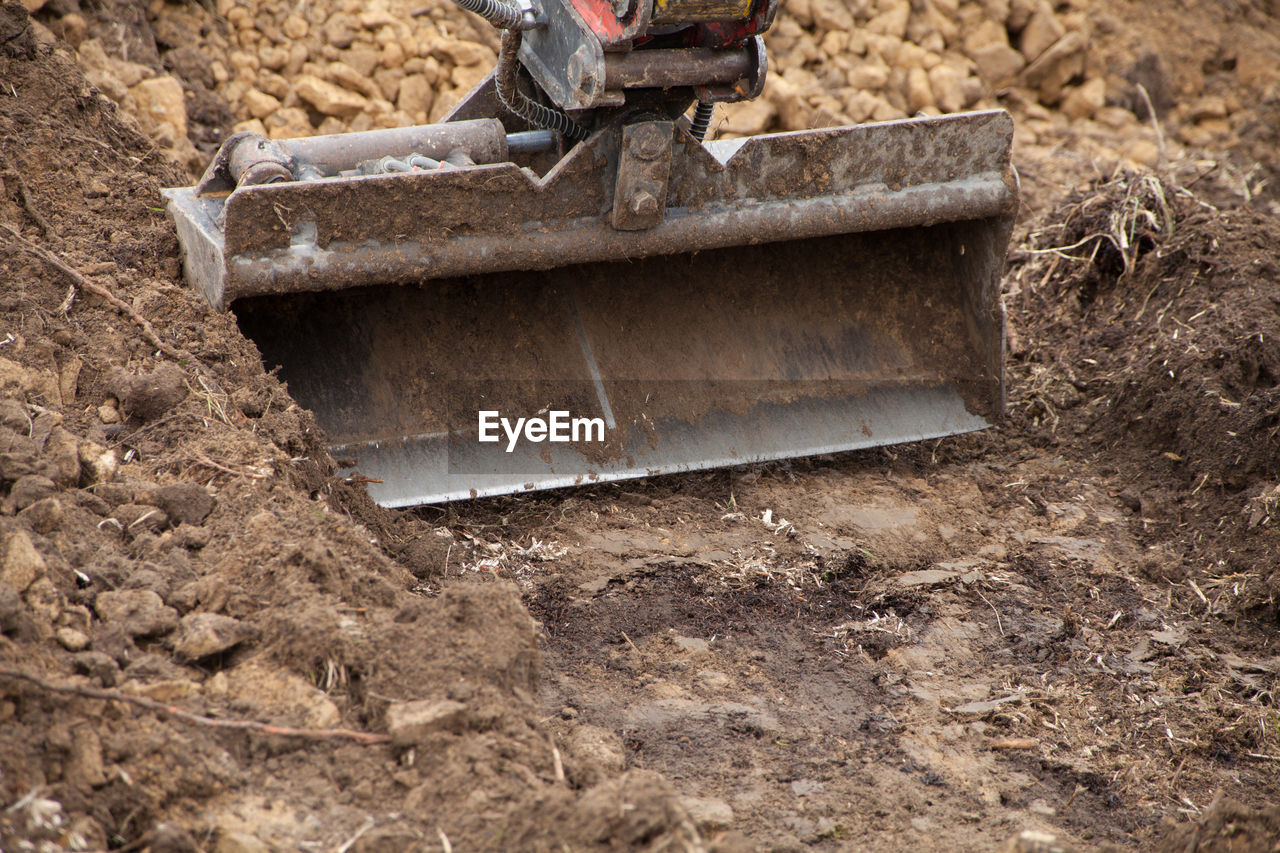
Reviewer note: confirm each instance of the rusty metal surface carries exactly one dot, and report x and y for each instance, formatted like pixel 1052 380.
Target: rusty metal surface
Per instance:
pixel 565 58
pixel 718 357
pixel 431 469
pixel 666 69
pixel 685 11
pixel 640 194
pixel 800 293
pixel 484 141
pixel 402 228
pixel 243 154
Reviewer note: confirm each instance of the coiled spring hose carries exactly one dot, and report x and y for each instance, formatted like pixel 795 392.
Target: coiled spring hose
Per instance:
pixel 513 99
pixel 501 14
pixel 508 16
pixel 701 120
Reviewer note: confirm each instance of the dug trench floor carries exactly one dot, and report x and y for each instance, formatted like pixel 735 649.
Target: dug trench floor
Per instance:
pixel 934 647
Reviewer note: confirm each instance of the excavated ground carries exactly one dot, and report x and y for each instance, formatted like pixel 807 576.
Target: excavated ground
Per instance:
pixel 1066 625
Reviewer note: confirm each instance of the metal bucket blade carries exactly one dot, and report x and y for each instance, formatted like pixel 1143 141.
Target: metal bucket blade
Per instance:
pixel 695 360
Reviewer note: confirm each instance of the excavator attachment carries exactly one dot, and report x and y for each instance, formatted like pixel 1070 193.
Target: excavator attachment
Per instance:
pixel 527 317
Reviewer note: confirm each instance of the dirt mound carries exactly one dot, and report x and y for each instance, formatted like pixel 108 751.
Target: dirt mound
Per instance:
pixel 1145 327
pixel 1226 826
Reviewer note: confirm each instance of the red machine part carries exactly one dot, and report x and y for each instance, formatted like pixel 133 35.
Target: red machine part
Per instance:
pixel 712 23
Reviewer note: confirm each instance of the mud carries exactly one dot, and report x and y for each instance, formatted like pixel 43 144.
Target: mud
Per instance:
pixel 1065 625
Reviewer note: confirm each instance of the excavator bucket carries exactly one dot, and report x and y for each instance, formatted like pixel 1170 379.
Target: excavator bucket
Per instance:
pixel 643 303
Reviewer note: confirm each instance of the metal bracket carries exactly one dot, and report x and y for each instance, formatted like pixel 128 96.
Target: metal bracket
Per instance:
pixel 644 166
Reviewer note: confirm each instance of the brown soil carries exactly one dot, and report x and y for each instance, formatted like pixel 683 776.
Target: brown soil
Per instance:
pixel 1064 626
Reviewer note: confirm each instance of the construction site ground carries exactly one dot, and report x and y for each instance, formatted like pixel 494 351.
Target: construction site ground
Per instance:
pixel 1057 634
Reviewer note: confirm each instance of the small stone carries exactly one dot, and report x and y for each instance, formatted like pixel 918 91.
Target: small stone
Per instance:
pixel 328 98
pixel 984 35
pixel 74 28
pixel 205 634
pixel 98 666
pixel 868 75
pixel 29 489
pixel 806 787
pixel 1042 30
pixel 1020 12
pixel 12 612
pixel 295 27
pixel 831 15
pixel 711 814
pixel 273 58
pixel 259 104
pixel 97 463
pixel 464 53
pixel 45 602
pixel 392 56
pixel 1208 107
pixel 997 63
pixel 14 416
pixel 136 518
pixel 362 59
pixel 62 451
pixel 22 563
pixel 161 101
pixel 746 118
pixel 919 93
pixel 138 612
pixel 192 538
pixel 108 413
pixel 1042 808
pixel 595 754
pixel 859 106
pixel 288 123
pixel 388 82
pixel 1053 63
pixel 410 722
pixel 352 80
pixel 1083 101
pixel 44 516
pixel 693 645
pixel 167 838
pixel 467 77
pixel 148 396
pixel 72 640
pixel 415 96
pixel 948 92
pixel 184 503
pixel 1144 152
pixel 84 768
pixel 892 21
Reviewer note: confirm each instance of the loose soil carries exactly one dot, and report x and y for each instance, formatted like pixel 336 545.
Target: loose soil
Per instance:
pixel 1060 632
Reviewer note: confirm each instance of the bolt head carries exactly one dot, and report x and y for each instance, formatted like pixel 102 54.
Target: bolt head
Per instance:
pixel 643 204
pixel 647 142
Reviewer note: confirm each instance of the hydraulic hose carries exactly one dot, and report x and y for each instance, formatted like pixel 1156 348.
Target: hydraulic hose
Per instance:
pixel 506 82
pixel 701 120
pixel 500 13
